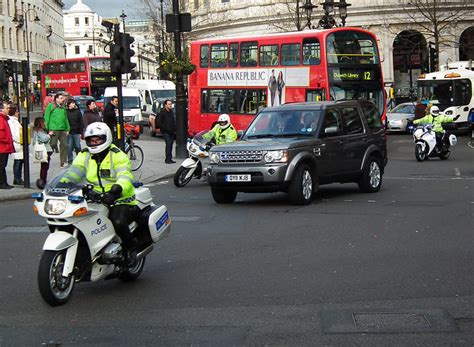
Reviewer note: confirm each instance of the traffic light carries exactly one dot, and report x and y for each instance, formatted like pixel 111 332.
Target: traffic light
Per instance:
pixel 8 67
pixel 121 54
pixel 434 61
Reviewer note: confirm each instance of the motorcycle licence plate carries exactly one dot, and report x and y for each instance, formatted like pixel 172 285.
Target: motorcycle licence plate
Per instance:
pixel 238 178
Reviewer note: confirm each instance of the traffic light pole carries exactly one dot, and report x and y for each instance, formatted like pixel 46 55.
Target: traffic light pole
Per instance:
pixel 181 115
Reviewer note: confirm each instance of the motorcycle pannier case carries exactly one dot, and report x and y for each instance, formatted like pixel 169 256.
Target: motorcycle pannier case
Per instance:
pixel 159 223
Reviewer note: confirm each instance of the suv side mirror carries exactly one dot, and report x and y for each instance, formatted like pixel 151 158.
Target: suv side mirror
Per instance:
pixel 240 133
pixel 331 130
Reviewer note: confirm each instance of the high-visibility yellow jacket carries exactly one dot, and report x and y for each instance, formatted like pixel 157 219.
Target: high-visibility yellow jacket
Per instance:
pixel 436 121
pixel 220 135
pixel 114 169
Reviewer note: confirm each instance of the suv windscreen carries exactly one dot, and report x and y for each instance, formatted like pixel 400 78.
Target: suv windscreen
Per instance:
pixel 284 123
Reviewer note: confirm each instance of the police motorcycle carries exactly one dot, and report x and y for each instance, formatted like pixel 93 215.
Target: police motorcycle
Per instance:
pixel 82 244
pixel 196 165
pixel 425 143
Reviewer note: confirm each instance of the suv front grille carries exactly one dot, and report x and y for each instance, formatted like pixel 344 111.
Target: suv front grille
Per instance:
pixel 241 156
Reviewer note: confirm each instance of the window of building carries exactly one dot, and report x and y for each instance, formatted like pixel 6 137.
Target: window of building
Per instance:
pixel 248 53
pixel 3 38
pixel 219 55
pixel 233 54
pixel 10 38
pixel 76 21
pixel 77 50
pixel 311 52
pixel 90 50
pixel 269 55
pixel 204 56
pixel 224 1
pixel 237 101
pixel 86 19
pixel 290 54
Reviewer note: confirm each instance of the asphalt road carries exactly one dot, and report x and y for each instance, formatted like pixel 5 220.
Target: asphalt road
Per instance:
pixel 399 263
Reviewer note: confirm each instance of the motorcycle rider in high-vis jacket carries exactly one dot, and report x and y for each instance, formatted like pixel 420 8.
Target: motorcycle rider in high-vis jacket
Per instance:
pixel 437 120
pixel 108 169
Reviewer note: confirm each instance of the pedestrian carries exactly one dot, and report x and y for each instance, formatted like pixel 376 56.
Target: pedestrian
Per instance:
pixel 40 135
pixel 167 125
pixel 16 128
pixel 57 125
pixel 6 147
pixel 74 117
pixel 91 114
pixel 110 116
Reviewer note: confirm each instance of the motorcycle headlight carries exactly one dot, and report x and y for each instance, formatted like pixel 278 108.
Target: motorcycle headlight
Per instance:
pixel 214 157
pixel 55 206
pixel 193 148
pixel 449 112
pixel 276 157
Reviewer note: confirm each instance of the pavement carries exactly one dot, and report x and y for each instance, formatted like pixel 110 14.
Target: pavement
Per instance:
pixel 153 169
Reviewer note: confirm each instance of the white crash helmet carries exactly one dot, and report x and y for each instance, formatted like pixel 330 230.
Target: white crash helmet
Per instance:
pixel 101 130
pixel 434 111
pixel 224 120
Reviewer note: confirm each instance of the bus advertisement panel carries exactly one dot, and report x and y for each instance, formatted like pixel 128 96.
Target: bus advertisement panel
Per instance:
pixel 239 76
pixel 79 76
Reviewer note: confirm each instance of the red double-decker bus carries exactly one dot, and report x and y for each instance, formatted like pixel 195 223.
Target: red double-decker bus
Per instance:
pixel 241 75
pixel 78 76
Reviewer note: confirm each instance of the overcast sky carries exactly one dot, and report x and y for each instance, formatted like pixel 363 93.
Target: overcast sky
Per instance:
pixel 108 8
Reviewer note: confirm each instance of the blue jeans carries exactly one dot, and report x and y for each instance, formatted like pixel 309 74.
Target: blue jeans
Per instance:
pixel 73 143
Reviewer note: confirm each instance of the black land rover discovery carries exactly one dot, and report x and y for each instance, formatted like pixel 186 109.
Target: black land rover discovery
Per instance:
pixel 297 147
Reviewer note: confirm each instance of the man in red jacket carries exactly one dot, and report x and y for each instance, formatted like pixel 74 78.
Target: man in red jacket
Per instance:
pixel 6 147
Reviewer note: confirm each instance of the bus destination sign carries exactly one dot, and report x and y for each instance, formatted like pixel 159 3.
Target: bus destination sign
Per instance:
pixel 348 75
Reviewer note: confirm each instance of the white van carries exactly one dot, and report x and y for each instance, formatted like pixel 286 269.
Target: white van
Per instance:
pixel 153 93
pixel 131 104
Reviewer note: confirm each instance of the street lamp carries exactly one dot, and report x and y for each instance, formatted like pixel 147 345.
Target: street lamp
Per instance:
pixel 18 20
pixel 123 16
pixel 93 39
pixel 327 21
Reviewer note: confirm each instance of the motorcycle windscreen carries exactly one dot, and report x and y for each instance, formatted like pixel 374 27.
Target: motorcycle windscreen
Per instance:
pixel 159 223
pixel 65 183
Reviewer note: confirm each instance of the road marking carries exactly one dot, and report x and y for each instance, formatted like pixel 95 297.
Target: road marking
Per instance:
pixel 457 172
pixel 185 218
pixel 24 229
pixel 428 178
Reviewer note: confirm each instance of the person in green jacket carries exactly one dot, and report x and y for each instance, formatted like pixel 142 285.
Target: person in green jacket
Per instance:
pixel 222 132
pixel 437 119
pixel 57 125
pixel 108 170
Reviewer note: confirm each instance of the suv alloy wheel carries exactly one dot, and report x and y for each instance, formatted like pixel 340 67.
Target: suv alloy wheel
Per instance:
pixel 300 190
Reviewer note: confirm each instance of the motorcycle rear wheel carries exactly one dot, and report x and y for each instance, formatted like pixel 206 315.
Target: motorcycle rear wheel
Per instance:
pixel 132 272
pixel 444 155
pixel 420 154
pixel 54 288
pixel 180 179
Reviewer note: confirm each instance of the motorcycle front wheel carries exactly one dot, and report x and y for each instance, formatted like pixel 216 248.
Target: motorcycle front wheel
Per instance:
pixel 54 288
pixel 420 154
pixel 444 155
pixel 180 179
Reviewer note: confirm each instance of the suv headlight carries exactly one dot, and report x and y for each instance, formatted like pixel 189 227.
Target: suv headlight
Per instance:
pixel 214 157
pixel 276 156
pixel 55 206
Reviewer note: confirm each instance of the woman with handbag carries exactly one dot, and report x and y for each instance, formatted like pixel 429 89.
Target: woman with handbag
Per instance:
pixel 42 150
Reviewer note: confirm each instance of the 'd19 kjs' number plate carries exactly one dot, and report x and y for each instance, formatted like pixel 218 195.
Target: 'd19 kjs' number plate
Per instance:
pixel 237 178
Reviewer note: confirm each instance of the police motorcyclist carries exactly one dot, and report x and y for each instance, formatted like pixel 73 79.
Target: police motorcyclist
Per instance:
pixel 222 132
pixel 107 168
pixel 437 119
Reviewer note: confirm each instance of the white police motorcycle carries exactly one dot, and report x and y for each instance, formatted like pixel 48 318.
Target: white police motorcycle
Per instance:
pixel 425 143
pixel 83 245
pixel 196 165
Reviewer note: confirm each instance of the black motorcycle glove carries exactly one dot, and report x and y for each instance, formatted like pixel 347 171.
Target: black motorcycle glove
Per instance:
pixel 113 194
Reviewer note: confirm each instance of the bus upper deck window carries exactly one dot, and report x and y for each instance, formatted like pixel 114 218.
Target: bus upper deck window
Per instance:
pixel 219 55
pixel 233 54
pixel 248 54
pixel 311 52
pixel 204 56
pixel 290 54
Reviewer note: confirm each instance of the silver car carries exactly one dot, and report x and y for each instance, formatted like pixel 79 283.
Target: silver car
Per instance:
pixel 397 118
